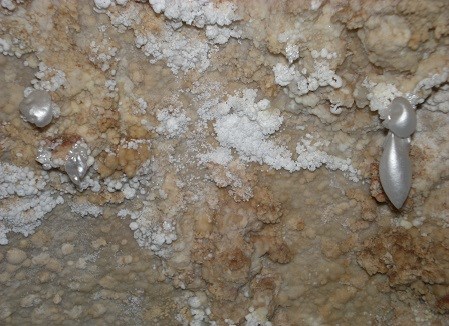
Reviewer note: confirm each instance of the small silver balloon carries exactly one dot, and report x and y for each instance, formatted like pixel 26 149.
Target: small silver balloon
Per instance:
pixel 76 164
pixel 401 119
pixel 396 169
pixel 37 108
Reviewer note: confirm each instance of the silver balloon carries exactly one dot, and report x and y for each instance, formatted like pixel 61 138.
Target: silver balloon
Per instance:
pixel 395 168
pixel 37 108
pixel 402 118
pixel 76 163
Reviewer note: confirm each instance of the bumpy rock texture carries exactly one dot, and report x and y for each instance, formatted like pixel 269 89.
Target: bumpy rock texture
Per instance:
pixel 233 163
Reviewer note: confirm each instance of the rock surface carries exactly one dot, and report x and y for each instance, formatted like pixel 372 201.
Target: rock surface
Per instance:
pixel 234 150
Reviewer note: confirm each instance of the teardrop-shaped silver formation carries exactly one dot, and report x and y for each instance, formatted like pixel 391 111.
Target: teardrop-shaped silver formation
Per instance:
pixel 76 165
pixel 395 167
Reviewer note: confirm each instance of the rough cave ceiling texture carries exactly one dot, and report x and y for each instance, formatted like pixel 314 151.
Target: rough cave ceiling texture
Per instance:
pixel 232 153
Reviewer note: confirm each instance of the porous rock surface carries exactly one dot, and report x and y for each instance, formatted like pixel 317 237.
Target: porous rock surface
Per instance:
pixel 235 149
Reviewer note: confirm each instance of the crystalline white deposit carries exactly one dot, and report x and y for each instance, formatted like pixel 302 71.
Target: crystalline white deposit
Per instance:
pixel 380 96
pixel 149 230
pixel 173 122
pixel 221 35
pixel 439 101
pixel 220 155
pixel 48 79
pixel 246 129
pixel 86 209
pixel 300 82
pixel 182 52
pixel 102 4
pixel 8 4
pixel 245 125
pixel 24 200
pixel 198 13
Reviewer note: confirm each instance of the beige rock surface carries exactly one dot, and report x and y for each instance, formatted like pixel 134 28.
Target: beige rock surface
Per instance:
pixel 235 150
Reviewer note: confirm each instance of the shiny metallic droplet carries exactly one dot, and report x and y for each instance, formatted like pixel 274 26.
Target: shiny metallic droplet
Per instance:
pixel 401 118
pixel 76 164
pixel 395 169
pixel 37 108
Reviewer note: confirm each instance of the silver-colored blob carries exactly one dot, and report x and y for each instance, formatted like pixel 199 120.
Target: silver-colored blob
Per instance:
pixel 395 166
pixel 402 118
pixel 37 108
pixel 76 163
pixel 395 169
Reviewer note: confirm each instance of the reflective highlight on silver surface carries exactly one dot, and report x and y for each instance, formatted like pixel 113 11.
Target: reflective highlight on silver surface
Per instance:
pixel 395 166
pixel 37 108
pixel 402 118
pixel 76 164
